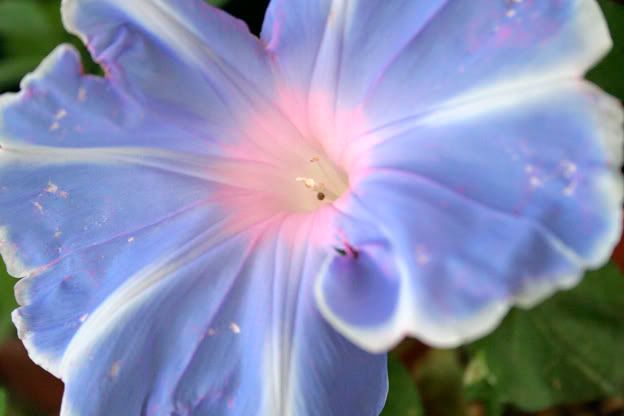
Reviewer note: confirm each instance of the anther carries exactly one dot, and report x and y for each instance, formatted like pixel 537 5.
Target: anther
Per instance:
pixel 308 182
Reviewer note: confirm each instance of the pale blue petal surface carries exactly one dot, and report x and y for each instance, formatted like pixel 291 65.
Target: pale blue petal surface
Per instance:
pixel 341 47
pixel 192 59
pixel 141 287
pixel 476 48
pixel 454 131
pixel 76 179
pixel 215 337
pixel 399 59
pixel 491 204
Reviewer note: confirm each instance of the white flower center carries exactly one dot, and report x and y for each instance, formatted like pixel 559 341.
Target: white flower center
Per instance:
pixel 320 182
pixel 327 185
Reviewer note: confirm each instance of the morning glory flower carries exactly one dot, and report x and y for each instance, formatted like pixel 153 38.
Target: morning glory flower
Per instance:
pixel 227 225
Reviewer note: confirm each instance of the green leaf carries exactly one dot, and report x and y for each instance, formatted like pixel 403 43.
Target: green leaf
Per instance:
pixel 7 303
pixel 403 399
pixel 23 18
pixel 568 349
pixel 15 68
pixel 29 30
pixel 608 74
pixel 479 389
pixel 3 403
pixel 218 3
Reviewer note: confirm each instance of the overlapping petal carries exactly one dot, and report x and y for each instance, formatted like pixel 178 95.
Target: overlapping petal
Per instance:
pixel 478 209
pixel 404 59
pixel 461 61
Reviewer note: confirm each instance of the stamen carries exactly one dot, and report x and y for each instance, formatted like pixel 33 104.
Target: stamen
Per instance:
pixel 324 185
pixel 308 182
pixel 321 190
pixel 317 161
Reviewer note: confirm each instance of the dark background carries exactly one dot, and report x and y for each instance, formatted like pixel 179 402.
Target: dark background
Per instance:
pixel 251 11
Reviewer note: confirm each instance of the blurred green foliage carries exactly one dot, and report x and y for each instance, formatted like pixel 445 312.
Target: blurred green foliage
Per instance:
pixel 29 31
pixel 439 379
pixel 7 303
pixel 403 398
pixel 609 74
pixel 218 3
pixel 3 403
pixel 568 349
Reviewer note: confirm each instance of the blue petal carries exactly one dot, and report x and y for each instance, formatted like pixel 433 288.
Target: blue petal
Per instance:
pixel 187 57
pixel 210 337
pixel 117 220
pixel 338 47
pixel 76 180
pixel 362 288
pixel 490 204
pixel 477 48
pixel 408 57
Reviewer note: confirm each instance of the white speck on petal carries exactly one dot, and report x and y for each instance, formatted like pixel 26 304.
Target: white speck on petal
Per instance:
pixel 212 332
pixel 114 370
pixel 60 115
pixel 84 317
pixel 55 126
pixel 38 206
pixel 82 94
pixel 235 328
pixel 570 189
pixel 422 255
pixel 131 240
pixel 568 168
pixel 58 233
pixel 536 182
pixel 52 188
